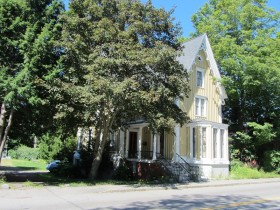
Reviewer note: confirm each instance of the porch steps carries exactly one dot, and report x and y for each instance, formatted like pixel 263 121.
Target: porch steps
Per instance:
pixel 176 170
pixel 180 170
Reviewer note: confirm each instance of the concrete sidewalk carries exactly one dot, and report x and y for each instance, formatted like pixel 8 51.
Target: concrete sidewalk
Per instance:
pixel 142 187
pixel 210 183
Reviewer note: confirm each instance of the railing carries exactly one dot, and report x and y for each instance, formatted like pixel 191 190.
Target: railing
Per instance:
pixel 168 166
pixel 148 155
pixel 133 155
pixel 176 169
pixel 193 171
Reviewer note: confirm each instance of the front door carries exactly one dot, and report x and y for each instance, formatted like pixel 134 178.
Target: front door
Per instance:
pixel 161 143
pixel 132 151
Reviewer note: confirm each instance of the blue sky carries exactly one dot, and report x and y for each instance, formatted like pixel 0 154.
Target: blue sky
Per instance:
pixel 184 9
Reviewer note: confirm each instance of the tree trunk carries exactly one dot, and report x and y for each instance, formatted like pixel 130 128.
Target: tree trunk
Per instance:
pixel 102 138
pixel 2 120
pixel 98 156
pixel 4 135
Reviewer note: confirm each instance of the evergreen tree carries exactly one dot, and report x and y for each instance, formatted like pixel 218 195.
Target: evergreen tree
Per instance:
pixel 28 31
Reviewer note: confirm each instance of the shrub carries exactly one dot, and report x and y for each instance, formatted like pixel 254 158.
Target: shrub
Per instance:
pixel 272 161
pixel 52 147
pixel 49 146
pixel 123 172
pixel 25 153
pixel 240 170
pixel 235 163
pixel 68 170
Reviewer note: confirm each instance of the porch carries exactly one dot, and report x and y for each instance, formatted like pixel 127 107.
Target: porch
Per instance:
pixel 141 144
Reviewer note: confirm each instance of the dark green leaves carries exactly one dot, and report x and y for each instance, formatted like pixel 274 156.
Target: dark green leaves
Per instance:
pixel 121 59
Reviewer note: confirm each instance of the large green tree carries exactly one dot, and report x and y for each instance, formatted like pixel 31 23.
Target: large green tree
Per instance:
pixel 120 65
pixel 28 31
pixel 244 35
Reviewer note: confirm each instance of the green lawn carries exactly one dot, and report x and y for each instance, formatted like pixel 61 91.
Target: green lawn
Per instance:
pixel 37 165
pixel 245 172
pixel 237 172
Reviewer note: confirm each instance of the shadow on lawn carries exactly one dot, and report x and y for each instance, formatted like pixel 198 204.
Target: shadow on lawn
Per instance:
pixel 24 174
pixel 28 174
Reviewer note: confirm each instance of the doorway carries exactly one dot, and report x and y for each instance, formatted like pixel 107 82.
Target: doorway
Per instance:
pixel 161 142
pixel 132 151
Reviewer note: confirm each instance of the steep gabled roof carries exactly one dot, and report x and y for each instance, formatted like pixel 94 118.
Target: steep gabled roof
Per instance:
pixel 191 50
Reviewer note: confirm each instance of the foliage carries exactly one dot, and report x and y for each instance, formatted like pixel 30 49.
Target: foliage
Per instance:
pixel 272 161
pixel 28 55
pixel 262 133
pixel 242 171
pixel 69 145
pixel 68 170
pixel 123 172
pixel 49 146
pixel 249 145
pixel 53 147
pixel 119 66
pixel 2 179
pixel 25 153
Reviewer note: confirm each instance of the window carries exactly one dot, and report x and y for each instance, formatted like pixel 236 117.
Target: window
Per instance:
pixel 222 142
pixel 200 106
pixel 203 139
pixel 199 78
pixel 215 131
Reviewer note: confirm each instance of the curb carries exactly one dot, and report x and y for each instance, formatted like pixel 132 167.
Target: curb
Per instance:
pixel 131 188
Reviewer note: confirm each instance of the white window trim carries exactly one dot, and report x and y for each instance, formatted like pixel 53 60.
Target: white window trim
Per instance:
pixel 199 114
pixel 202 79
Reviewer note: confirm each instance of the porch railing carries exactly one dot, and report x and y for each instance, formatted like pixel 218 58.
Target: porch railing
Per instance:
pixel 148 155
pixel 193 171
pixel 144 155
pixel 177 169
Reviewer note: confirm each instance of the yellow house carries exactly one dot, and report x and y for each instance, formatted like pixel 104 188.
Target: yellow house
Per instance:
pixel 203 141
pixel 199 147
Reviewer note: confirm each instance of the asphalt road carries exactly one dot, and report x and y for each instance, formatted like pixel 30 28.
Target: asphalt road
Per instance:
pixel 218 195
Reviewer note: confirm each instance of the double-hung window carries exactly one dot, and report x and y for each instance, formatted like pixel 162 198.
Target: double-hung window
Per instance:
pixel 222 144
pixel 199 77
pixel 200 106
pixel 203 141
pixel 215 142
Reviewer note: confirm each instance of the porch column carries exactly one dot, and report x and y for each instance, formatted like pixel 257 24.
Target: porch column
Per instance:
pixel 80 136
pixel 191 142
pixel 158 143
pixel 155 147
pixel 226 144
pixel 121 149
pixel 140 142
pixel 126 144
pixel 219 143
pixel 177 135
pixel 177 142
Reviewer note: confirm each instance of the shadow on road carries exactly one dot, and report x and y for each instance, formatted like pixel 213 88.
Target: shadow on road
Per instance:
pixel 204 202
